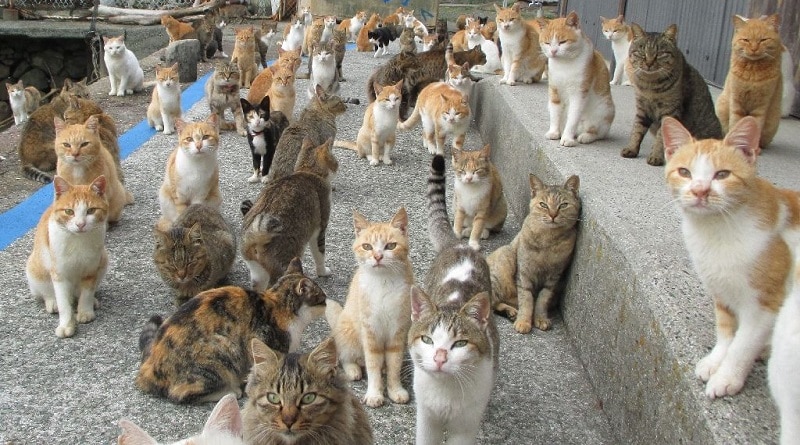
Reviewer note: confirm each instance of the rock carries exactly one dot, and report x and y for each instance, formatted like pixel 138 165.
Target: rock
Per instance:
pixel 186 53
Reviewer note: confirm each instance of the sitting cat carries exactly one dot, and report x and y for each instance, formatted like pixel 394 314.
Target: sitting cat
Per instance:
pixel 263 81
pixel 177 30
pixel 165 105
pixel 407 41
pixel 475 38
pixel 244 55
pixel 222 93
pixel 294 34
pixel 444 111
pixel 264 129
pixel 323 70
pixel 620 34
pixel 522 57
pixel 283 92
pixel 23 100
pixel 353 25
pixel 124 72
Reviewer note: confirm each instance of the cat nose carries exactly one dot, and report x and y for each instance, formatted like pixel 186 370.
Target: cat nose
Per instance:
pixel 378 256
pixel 440 358
pixel 700 190
pixel 289 416
pixel 80 224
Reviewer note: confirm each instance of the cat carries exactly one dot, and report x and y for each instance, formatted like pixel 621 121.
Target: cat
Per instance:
pixel 283 93
pixel 620 34
pixel 475 37
pixel 480 207
pixel 458 77
pixel 753 86
pixel 376 137
pixel 323 69
pixel 222 93
pixel 294 36
pixel 789 91
pixel 783 360
pixel 263 81
pixel 23 100
pixel 196 252
pixel 320 32
pixel 82 157
pixel 339 43
pixel 395 18
pixel 180 362
pixel 124 72
pixel 430 42
pixel 223 427
pixel 69 257
pixel 453 341
pixel 527 273
pixel 264 129
pixel 353 25
pixel 362 40
pixel 177 30
pixel 521 56
pixel 412 22
pixel 202 30
pixel 580 105
pixel 289 213
pixel 165 106
pixel 264 37
pixel 380 39
pixel 372 328
pixel 244 53
pixel 107 129
pixel 192 170
pixel 670 86
pixel 444 111
pixel 459 40
pixel 301 398
pixel 736 227
pixel 214 47
pixel 407 41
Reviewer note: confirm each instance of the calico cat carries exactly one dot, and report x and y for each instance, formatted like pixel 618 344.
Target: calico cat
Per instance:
pixel 736 227
pixel 181 363
pixel 527 272
pixel 244 53
pixel 581 107
pixel 192 170
pixel 223 427
pixel 452 341
pixel 522 56
pixel 301 398
pixel 478 196
pixel 294 36
pixel 783 360
pixel 264 129
pixel 372 327
pixel 23 100
pixel 376 137
pixel 283 94
pixel 362 41
pixel 124 72
pixel 165 106
pixel 754 84
pixel 353 25
pixel 667 87
pixel 444 112
pixel 69 257
pixel 263 81
pixel 222 93
pixel 620 34
pixel 407 41
pixel 196 252
pixel 323 69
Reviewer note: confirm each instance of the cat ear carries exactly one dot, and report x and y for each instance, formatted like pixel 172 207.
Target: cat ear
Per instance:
pixel 359 222
pixel 213 119
pixel 478 308
pixel 174 66
pixel 572 184
pixel 572 20
pixel 774 20
pixel 320 92
pixel 671 32
pixel 60 185
pixel 225 417
pixel 621 18
pixel 377 87
pixel 91 123
pixel 399 85
pixel 179 124
pixel 324 357
pixel 540 24
pixel 536 184
pixel 246 107
pixel 98 186
pixel 400 220
pixel 638 32
pixel 738 22
pixel 420 304
pixel 262 353
pixel 264 105
pixel 195 234
pixel 59 124
pixel 497 8
pixel 486 151
pixel 295 266
pixel 133 435
pixel 744 136
pixel 674 135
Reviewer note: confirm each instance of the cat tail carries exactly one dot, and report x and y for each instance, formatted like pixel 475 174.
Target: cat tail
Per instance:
pixel 148 335
pixel 439 229
pixel 350 145
pixel 411 121
pixel 448 54
pixel 35 174
pixel 332 312
pixel 787 70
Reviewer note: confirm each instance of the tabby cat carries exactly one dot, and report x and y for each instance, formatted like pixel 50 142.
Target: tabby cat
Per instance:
pixel 196 253
pixel 264 129
pixel 69 257
pixel 323 70
pixel 23 100
pixel 620 34
pixel 736 227
pixel 244 53
pixel 522 57
pixel 222 93
pixel 124 72
pixel 301 398
pixel 444 112
pixel 527 272
pixel 339 43
pixel 180 362
pixel 407 41
pixel 165 106
pixel 666 85
pixel 783 360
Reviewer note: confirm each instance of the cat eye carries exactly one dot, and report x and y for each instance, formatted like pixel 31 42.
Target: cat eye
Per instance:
pixel 563 205
pixel 308 398
pixel 427 340
pixel 543 205
pixel 684 172
pixel 561 42
pixel 273 398
pixel 722 174
pixel 459 344
pixel 390 246
pixel 91 211
pixel 366 246
pixel 69 212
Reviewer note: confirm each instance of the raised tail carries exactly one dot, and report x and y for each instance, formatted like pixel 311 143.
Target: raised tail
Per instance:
pixel 35 174
pixel 448 54
pixel 439 229
pixel 787 70
pixel 148 335
pixel 350 145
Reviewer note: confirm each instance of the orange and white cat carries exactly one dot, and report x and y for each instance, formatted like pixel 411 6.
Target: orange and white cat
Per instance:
pixel 244 55
pixel 522 57
pixel 581 107
pixel 489 48
pixel 353 25
pixel 363 43
pixel 165 105
pixel 23 100
pixel 444 111
pixel 376 138
pixel 176 30
pixel 741 233
pixel 69 257
pixel 620 34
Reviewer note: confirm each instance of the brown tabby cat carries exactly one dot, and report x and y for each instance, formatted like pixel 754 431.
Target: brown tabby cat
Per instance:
pixel 222 93
pixel 263 82
pixel 444 111
pixel 181 363
pixel 283 94
pixel 754 85
pixel 521 57
pixel 301 398
pixel 530 268
pixel 407 40
pixel 244 51
pixel 339 44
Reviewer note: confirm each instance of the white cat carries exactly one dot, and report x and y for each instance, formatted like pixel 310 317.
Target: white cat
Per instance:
pixel 294 38
pixel 784 362
pixel 493 64
pixel 124 72
pixel 789 92
pixel 323 70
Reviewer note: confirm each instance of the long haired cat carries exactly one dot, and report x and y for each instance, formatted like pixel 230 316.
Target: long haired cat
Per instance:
pixel 376 137
pixel 124 72
pixel 165 105
pixel 453 341
pixel 301 398
pixel 620 34
pixel 196 252
pixel 666 85
pixel 69 257
pixel 783 360
pixel 480 206
pixel 192 170
pixel 527 273
pixel 444 111
pixel 23 100
pixel 244 55
pixel 264 129
pixel 754 84
pixel 202 351
pixel 222 93
pixel 353 25
pixel 522 56
pixel 740 232
pixel 323 69
pixel 294 34
pixel 581 107
pixel 371 330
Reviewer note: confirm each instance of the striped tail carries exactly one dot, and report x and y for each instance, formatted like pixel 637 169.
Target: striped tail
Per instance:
pixel 148 335
pixel 246 206
pixel 448 54
pixel 35 174
pixel 439 229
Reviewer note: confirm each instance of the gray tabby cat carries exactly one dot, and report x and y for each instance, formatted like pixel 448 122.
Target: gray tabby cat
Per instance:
pixel 339 41
pixel 666 85
pixel 407 39
pixel 322 69
pixel 453 341
pixel 301 399
pixel 222 93
pixel 196 253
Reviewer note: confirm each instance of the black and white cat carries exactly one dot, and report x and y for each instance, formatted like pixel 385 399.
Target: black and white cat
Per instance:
pixel 264 129
pixel 381 37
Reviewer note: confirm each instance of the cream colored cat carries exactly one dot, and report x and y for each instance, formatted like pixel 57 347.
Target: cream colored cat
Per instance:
pixel 283 94
pixel 522 58
pixel 165 106
pixel 444 111
pixel 244 55
pixel 620 35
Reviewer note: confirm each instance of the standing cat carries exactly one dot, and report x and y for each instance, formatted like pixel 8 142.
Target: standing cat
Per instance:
pixel 754 84
pixel 301 398
pixel 293 39
pixel 124 72
pixel 444 111
pixel 196 252
pixel 453 341
pixel 783 361
pixel 264 129
pixel 666 85
pixel 192 171
pixel 202 351
pixel 323 69
pixel 23 100
pixel 527 272
pixel 741 233
pixel 522 57
pixel 353 25
pixel 244 54
pixel 372 327
pixel 620 34
pixel 581 107
pixel 69 257
pixel 380 39
pixel 222 93
pixel 165 106
pixel 283 94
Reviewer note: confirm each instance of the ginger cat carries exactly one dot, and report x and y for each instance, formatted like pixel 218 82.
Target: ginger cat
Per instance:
pixel 362 41
pixel 620 34
pixel 283 94
pixel 353 25
pixel 263 81
pixel 176 30
pixel 23 100
pixel 244 55
pixel 444 111
pixel 165 106
pixel 522 57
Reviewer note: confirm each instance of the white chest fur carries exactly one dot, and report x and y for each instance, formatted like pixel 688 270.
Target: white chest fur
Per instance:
pixel 470 196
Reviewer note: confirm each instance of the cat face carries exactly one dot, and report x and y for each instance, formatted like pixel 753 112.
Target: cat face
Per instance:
pixel 330 21
pixel 458 75
pixel 456 111
pixel 283 78
pixel 614 29
pixel 508 19
pixel 198 138
pixel 180 254
pixel 114 46
pixel 167 76
pixel 77 144
pixel 329 102
pixel 257 115
pixel 389 97
pixel 15 90
pixel 471 166
pixel 80 208
pixel 654 53
pixel 473 31
pixel 756 39
pixel 429 41
pixel 226 76
pixel 561 38
pixel 555 205
pixel 244 36
pixel 381 246
pixel 322 53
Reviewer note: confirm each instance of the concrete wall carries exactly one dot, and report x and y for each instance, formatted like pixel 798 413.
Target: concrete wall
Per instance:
pixel 424 10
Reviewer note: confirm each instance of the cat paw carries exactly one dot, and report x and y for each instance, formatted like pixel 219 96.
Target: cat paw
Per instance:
pixel 68 330
pixel 373 162
pixel 655 160
pixel 523 327
pixel 128 92
pixel 85 317
pixel 706 367
pixel 629 152
pixel 50 306
pixel 352 371
pixel 568 142
pixel 398 395
pixel 724 383
pixel 112 93
pixel 587 138
pixel 542 323
pixel 373 400
pixel 324 271
pixel 159 127
pixel 264 180
pixel 627 83
pixel 120 93
pixel 476 246
pixel 553 135
pixel 387 160
pixel 242 132
pixel 485 234
pixel 169 130
pixel 253 179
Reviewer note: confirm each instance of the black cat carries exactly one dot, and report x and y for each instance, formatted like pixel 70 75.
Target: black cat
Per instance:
pixel 264 129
